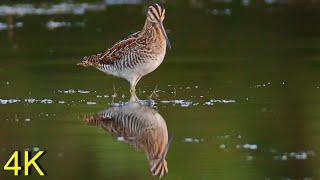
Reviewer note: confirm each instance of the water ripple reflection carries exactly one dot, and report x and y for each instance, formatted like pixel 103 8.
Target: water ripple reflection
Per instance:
pixel 140 126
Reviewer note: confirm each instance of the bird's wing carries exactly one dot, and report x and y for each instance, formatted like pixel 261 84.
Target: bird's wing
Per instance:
pixel 109 56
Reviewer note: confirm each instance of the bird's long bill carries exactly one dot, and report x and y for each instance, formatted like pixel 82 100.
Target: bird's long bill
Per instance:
pixel 165 35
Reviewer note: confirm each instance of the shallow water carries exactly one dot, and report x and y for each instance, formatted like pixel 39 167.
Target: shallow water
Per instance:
pixel 239 92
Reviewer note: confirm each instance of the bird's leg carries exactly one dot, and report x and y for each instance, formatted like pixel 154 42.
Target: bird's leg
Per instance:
pixel 133 85
pixel 133 97
pixel 132 89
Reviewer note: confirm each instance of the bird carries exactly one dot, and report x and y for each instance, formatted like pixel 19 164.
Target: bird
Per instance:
pixel 140 126
pixel 138 54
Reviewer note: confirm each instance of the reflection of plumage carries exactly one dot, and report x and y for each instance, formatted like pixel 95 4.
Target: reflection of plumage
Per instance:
pixel 136 55
pixel 141 127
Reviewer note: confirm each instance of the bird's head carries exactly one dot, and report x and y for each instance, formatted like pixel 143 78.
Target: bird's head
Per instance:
pixel 156 15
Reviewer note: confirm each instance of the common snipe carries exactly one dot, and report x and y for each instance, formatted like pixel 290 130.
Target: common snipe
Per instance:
pixel 140 126
pixel 136 55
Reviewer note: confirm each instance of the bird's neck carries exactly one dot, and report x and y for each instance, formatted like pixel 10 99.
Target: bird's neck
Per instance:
pixel 151 30
pixel 147 26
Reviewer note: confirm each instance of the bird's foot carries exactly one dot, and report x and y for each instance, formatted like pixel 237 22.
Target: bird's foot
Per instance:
pixel 134 97
pixel 148 102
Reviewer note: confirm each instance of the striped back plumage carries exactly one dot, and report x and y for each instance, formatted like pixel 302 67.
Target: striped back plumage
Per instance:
pixel 139 126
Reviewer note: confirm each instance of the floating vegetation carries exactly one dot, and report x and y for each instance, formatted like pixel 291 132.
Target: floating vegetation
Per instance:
pixel 51 25
pixel 222 146
pixel 247 148
pixel 82 8
pixel 182 103
pixel 187 103
pixel 263 85
pixel 83 91
pixel 27 119
pixel 54 24
pixel 50 9
pixel 35 149
pixel 42 101
pixel 238 146
pixel 276 2
pixel 123 1
pixel 91 103
pixel 103 96
pixel 73 91
pixel 301 155
pixel 250 146
pixel 268 84
pixel 249 158
pixel 9 101
pixel 219 12
pixel 193 140
pixel 215 101
pixel 224 136
pixel 5 26
pixel 60 8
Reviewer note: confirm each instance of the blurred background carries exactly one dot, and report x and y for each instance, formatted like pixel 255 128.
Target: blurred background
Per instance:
pixel 240 89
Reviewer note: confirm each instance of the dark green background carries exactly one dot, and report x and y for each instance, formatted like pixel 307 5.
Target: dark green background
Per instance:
pixel 228 57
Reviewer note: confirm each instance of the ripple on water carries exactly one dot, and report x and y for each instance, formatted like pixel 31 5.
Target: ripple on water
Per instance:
pixel 5 26
pixel 50 9
pixel 250 146
pixel 91 103
pixel 9 101
pixel 263 85
pixel 228 143
pixel 193 140
pixel 42 101
pixel 51 25
pixel 73 91
pixel 221 101
pixel 301 155
pixel 182 103
pixel 219 12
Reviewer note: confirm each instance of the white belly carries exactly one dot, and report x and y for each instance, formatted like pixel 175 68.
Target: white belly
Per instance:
pixel 139 70
pixel 149 62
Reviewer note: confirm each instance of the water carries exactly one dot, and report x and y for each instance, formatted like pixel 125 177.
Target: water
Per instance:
pixel 239 92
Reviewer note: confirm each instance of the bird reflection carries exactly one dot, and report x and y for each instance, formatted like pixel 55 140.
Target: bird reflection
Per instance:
pixel 140 126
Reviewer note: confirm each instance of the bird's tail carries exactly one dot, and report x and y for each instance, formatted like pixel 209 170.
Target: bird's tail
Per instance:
pixel 92 60
pixel 92 120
